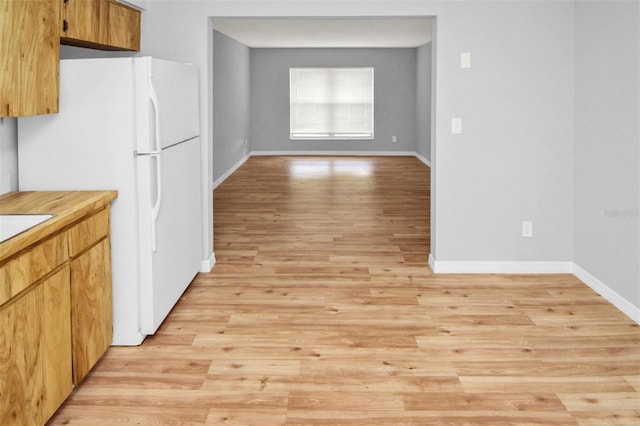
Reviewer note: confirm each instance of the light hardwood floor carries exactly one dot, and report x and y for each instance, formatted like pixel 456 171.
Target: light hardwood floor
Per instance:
pixel 322 310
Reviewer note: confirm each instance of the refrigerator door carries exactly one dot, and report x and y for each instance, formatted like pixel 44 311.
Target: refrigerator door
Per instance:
pixel 169 246
pixel 172 95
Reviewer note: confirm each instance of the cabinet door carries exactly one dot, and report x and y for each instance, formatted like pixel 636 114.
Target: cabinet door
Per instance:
pixel 124 26
pixel 35 352
pixel 91 307
pixel 29 57
pixel 22 360
pixel 100 24
pixel 84 20
pixel 57 341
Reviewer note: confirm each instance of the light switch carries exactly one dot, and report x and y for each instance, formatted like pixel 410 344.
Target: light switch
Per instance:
pixel 456 126
pixel 465 60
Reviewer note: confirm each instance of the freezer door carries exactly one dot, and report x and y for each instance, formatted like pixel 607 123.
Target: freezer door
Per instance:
pixel 173 106
pixel 170 235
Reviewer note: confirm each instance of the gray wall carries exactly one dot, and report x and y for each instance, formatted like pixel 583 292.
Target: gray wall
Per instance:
pixel 394 95
pixel 230 112
pixel 423 100
pixel 607 179
pixel 514 160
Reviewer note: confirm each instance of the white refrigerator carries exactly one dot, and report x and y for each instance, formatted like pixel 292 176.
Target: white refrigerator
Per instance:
pixel 130 124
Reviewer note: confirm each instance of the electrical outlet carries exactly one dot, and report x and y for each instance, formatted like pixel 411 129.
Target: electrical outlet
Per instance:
pixel 394 139
pixel 527 229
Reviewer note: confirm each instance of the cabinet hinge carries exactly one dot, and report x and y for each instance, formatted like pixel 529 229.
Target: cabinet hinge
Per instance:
pixel 65 26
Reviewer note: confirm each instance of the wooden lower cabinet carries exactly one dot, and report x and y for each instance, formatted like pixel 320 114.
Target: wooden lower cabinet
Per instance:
pixel 91 309
pixel 55 318
pixel 35 355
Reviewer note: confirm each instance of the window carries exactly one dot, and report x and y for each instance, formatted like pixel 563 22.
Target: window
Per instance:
pixel 331 103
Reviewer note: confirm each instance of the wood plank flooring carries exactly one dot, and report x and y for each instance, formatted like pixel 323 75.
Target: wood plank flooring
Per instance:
pixel 321 310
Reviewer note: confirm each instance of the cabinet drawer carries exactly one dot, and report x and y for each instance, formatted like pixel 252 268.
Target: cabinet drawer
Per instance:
pixel 28 267
pixel 88 232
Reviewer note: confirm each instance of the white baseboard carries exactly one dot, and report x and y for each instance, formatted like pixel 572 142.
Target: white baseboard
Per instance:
pixel 229 172
pixel 422 158
pixel 455 267
pixel 207 265
pixel 432 262
pixel 608 293
pixel 338 153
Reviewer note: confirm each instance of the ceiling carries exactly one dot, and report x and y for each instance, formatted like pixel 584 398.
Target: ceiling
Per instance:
pixel 326 32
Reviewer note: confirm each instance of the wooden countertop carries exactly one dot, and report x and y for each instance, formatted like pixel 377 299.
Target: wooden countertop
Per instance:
pixel 68 207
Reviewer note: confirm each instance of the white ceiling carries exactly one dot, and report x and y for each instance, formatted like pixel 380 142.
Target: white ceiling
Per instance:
pixel 321 32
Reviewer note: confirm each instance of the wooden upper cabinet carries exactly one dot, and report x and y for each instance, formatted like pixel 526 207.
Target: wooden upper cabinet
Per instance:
pixel 29 57
pixel 81 22
pixel 123 26
pixel 100 24
pixel 30 35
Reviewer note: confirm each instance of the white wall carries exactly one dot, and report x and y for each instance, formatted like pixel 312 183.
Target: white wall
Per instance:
pixel 607 164
pixel 513 162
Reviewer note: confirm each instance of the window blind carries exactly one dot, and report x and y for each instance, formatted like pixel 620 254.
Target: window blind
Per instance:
pixel 331 103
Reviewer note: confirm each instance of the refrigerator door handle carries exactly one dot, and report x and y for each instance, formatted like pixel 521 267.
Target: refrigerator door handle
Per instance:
pixel 153 96
pixel 155 211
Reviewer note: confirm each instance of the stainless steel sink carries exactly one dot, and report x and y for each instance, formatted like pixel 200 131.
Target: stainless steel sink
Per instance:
pixel 14 224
